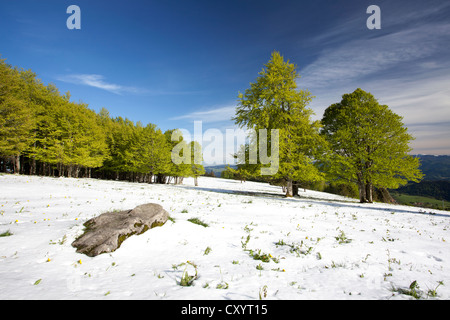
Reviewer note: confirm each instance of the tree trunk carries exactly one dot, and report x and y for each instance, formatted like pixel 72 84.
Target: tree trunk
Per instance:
pixel 369 192
pixel 161 179
pixel 382 194
pixel 289 189
pixel 295 190
pixel 196 181
pixel 362 190
pixel 17 164
pixel 33 166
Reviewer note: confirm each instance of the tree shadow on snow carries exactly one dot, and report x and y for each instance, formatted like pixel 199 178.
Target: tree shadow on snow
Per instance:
pixel 316 200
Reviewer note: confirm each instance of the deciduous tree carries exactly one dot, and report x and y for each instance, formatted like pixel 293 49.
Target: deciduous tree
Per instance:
pixel 274 102
pixel 369 145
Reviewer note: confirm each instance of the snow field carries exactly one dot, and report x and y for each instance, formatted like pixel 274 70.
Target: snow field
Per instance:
pixel 257 243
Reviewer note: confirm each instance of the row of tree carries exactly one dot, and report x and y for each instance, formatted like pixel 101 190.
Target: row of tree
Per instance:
pixel 357 142
pixel 43 132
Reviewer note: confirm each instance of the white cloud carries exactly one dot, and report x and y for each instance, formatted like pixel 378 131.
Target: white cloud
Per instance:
pixel 408 70
pixel 97 81
pixel 213 115
pixel 360 58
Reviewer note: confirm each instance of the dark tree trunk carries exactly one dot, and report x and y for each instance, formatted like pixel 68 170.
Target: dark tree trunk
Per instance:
pixel 383 195
pixel 362 190
pixel 369 192
pixel 295 189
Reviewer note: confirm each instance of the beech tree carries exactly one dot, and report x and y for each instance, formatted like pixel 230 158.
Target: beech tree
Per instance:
pixel 44 132
pixel 181 166
pixel 274 102
pixel 197 168
pixel 369 145
pixel 15 114
pixel 154 150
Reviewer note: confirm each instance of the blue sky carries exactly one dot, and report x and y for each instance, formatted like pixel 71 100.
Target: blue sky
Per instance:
pixel 173 62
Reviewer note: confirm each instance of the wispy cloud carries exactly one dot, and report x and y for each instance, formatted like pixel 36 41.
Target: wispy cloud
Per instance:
pixel 404 65
pixel 208 116
pixel 98 81
pixel 360 58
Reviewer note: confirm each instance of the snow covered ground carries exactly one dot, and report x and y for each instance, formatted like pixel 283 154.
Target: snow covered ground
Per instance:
pixel 319 247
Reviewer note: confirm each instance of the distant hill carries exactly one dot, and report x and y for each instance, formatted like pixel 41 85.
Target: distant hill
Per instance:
pixel 435 167
pixel 436 183
pixel 437 189
pixel 218 169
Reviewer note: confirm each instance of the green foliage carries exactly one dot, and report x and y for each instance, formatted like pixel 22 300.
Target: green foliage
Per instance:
pixel 197 168
pixel 16 121
pixel 228 173
pixel 43 132
pixel 186 279
pixel 198 221
pixel 433 292
pixel 343 189
pixel 7 233
pixel 369 145
pixel 222 285
pixel 180 167
pixel 342 238
pixel 413 290
pixel 257 255
pixel 263 293
pixel 274 102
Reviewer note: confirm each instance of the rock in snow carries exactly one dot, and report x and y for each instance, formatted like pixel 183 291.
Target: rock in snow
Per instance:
pixel 106 232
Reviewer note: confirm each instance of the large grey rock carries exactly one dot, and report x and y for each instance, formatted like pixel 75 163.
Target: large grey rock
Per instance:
pixel 106 232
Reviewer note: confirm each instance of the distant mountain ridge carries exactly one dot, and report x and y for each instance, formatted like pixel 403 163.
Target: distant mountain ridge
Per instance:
pixel 436 182
pixel 217 169
pixel 435 168
pixel 436 189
